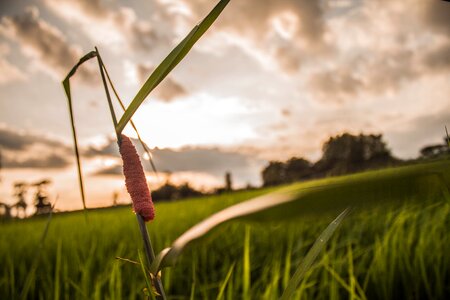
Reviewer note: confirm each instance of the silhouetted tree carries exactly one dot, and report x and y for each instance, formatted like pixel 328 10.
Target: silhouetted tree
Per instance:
pixel 186 191
pixel 41 201
pixel 5 211
pixel 228 182
pixel 274 173
pixel 169 192
pixel 298 169
pixel 437 150
pixel 348 153
pixel 20 190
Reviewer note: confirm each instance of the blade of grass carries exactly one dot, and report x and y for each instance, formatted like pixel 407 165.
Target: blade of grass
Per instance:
pixel 170 62
pixel 30 276
pixel 144 272
pixel 57 283
pixel 311 256
pixel 225 282
pixel 246 265
pixel 66 85
pixel 150 255
pixel 192 296
pixel 127 260
pixel 108 96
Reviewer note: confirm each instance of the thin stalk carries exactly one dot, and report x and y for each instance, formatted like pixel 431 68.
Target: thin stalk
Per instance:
pixel 156 279
pixel 66 86
pixel 77 153
pixel 108 96
pixel 149 253
pixel 448 137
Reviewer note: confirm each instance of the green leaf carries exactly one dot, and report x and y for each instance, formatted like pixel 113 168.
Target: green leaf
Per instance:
pixel 170 62
pixel 144 272
pixel 311 256
pixel 66 85
pixel 332 195
pixel 225 282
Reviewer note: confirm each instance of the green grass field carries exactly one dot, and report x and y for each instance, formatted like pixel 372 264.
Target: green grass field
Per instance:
pixel 394 245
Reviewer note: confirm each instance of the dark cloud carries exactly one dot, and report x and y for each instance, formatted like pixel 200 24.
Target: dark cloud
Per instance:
pixel 112 170
pixel 52 161
pixel 167 90
pixel 26 150
pixel 44 42
pixel 336 85
pixel 110 148
pixel 438 60
pixel 210 160
pixel 436 14
pixel 15 140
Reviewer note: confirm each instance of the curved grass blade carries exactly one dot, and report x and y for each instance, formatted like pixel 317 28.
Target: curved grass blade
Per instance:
pixel 144 272
pixel 225 282
pixel 170 62
pixel 311 256
pixel 327 195
pixel 66 85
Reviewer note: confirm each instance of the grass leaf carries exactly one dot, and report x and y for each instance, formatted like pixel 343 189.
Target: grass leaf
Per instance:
pixel 30 278
pixel 311 256
pixel 66 85
pixel 225 282
pixel 170 62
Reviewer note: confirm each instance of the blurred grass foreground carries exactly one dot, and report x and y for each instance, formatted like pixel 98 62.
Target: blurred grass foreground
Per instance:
pixel 393 245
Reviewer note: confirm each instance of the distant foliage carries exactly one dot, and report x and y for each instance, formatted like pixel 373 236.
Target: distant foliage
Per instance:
pixel 436 151
pixel 342 154
pixel 169 192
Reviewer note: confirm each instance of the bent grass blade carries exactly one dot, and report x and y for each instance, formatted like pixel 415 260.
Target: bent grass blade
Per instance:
pixel 311 256
pixel 66 85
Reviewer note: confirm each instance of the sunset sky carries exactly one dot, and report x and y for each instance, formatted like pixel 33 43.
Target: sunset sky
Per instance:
pixel 269 80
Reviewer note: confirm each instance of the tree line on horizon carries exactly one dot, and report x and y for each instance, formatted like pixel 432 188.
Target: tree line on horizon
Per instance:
pixel 345 154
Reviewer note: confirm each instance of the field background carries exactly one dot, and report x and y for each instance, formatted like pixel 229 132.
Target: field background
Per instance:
pixel 393 245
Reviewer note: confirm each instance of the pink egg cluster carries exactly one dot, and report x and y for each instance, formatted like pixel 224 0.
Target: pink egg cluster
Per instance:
pixel 135 180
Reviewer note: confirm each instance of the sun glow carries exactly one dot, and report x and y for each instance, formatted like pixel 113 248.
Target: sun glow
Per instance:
pixel 195 120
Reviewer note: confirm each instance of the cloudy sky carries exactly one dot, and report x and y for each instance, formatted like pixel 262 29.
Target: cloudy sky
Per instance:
pixel 270 80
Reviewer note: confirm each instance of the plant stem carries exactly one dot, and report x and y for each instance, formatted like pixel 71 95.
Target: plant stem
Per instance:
pixel 108 96
pixel 156 280
pixel 149 253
